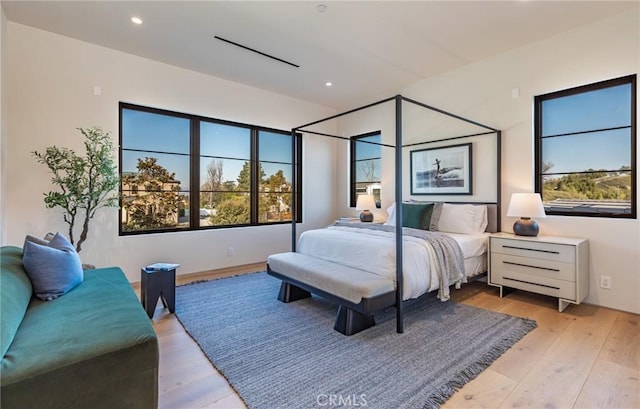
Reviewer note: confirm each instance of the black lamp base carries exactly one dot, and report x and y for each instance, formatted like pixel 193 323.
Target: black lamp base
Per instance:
pixel 366 216
pixel 526 226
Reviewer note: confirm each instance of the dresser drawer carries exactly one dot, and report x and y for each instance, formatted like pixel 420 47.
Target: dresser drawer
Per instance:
pixel 541 285
pixel 532 249
pixel 533 266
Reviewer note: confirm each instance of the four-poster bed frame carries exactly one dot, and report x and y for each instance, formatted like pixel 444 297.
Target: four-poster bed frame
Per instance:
pixel 398 147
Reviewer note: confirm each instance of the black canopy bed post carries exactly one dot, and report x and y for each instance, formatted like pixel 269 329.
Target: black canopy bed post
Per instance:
pixel 499 176
pixel 398 182
pixel 294 190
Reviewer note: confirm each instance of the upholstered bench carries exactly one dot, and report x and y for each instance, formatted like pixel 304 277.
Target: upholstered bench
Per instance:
pixel 357 292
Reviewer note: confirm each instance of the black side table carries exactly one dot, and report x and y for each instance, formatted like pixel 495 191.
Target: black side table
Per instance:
pixel 158 284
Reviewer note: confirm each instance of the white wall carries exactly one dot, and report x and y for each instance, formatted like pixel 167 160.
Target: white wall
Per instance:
pixel 3 123
pixel 49 85
pixel 482 91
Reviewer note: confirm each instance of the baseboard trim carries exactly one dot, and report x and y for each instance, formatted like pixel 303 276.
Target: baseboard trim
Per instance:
pixel 213 274
pixel 220 272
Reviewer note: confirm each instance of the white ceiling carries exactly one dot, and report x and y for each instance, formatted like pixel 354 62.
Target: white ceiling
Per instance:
pixel 369 50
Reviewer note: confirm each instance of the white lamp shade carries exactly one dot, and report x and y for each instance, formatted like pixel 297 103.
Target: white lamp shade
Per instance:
pixel 365 202
pixel 526 205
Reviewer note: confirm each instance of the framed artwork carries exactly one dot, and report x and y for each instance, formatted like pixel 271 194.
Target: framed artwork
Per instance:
pixel 444 170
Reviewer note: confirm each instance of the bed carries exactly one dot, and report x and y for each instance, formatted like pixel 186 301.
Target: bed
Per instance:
pixel 355 266
pixel 371 247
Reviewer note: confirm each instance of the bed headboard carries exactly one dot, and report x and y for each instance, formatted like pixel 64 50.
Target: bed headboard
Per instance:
pixel 492 218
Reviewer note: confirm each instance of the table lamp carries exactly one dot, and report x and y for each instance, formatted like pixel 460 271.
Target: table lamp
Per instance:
pixel 364 203
pixel 525 206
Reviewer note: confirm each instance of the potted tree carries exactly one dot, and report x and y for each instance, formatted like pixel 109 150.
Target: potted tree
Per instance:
pixel 85 183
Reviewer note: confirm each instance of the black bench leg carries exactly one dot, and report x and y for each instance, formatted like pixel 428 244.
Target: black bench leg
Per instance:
pixel 290 293
pixel 349 322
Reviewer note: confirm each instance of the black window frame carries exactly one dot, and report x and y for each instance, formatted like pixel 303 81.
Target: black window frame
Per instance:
pixel 538 139
pixel 194 170
pixel 353 164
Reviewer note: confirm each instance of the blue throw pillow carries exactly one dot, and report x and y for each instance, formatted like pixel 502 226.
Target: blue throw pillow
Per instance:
pixel 54 268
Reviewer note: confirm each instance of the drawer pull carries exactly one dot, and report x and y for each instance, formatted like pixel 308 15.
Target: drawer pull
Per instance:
pixel 530 249
pixel 529 282
pixel 527 265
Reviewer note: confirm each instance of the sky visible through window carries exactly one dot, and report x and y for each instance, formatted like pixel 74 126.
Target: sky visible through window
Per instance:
pixel 163 133
pixel 599 109
pixel 366 151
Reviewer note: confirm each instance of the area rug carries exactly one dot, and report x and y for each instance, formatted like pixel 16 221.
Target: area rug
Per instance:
pixel 278 355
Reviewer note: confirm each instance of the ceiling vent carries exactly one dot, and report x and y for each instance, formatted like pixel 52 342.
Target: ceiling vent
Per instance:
pixel 256 51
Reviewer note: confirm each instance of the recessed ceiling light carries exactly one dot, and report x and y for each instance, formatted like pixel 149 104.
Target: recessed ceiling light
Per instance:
pixel 136 20
pixel 328 83
pixel 321 8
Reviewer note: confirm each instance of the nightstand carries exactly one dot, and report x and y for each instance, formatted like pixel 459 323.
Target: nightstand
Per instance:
pixel 550 265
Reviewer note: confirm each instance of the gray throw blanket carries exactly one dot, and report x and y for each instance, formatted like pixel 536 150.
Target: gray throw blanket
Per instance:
pixel 450 260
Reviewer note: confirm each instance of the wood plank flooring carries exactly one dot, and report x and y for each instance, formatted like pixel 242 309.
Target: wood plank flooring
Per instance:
pixel 586 357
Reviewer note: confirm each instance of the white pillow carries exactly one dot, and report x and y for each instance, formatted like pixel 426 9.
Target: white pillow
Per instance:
pixel 463 218
pixel 391 215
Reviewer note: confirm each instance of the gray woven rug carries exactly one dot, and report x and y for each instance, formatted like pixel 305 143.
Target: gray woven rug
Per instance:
pixel 278 355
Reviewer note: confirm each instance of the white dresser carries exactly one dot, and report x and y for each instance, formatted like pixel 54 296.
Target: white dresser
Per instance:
pixel 550 265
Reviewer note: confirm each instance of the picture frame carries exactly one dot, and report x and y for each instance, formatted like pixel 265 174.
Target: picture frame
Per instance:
pixel 445 170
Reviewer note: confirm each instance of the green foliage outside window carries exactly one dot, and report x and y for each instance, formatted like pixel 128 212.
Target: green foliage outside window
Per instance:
pixel 156 202
pixel 232 211
pixel 231 201
pixel 599 185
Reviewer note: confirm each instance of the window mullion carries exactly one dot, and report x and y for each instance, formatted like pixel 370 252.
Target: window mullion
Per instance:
pixel 194 189
pixel 352 172
pixel 255 183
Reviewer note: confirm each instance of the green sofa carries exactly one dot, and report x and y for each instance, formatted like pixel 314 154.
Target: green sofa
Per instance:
pixel 93 347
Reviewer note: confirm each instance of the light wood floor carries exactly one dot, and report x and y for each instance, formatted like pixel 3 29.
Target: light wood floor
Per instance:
pixel 585 357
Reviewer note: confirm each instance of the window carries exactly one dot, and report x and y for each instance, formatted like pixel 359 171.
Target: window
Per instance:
pixel 154 170
pixel 225 174
pixel 585 148
pixel 366 163
pixel 185 172
pixel 275 159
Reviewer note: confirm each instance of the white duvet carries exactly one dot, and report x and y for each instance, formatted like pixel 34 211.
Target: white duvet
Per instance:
pixel 374 251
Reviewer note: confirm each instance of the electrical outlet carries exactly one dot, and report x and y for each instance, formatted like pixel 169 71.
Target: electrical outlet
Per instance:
pixel 229 251
pixel 605 282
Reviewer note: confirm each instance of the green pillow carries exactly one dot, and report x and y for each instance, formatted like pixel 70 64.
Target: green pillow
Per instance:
pixel 417 216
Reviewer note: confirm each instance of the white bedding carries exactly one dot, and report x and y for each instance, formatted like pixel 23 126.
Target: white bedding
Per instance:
pixel 374 251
